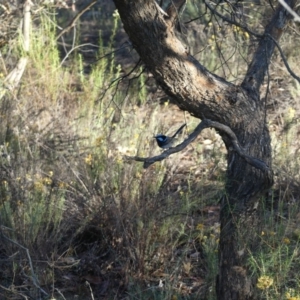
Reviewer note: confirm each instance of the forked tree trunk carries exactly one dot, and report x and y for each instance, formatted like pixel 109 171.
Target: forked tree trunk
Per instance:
pixel 208 96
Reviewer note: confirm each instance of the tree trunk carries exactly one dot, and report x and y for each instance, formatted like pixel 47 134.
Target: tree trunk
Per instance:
pixel 208 96
pixel 240 228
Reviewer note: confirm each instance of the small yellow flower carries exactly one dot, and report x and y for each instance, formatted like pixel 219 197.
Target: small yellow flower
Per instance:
pixel 98 141
pixel 286 241
pixel 264 282
pixel 89 160
pixel 292 112
pixel 291 295
pixel 62 185
pixel 138 175
pixel 38 186
pixel 119 160
pixel 47 181
pixel 246 35
pixel 200 226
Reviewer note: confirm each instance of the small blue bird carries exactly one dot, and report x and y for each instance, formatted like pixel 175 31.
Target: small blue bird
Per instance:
pixel 167 142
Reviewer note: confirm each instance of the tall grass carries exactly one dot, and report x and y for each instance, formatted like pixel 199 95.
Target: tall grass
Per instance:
pixel 65 187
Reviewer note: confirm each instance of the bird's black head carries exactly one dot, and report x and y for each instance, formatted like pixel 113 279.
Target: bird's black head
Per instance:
pixel 161 140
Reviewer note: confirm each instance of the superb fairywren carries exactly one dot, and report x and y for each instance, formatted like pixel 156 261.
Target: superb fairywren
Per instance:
pixel 166 142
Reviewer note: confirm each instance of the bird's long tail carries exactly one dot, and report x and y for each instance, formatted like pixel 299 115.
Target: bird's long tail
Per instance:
pixel 179 130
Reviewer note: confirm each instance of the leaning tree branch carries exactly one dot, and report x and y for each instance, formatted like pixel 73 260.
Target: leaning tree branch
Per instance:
pixel 255 162
pixel 260 36
pixel 261 58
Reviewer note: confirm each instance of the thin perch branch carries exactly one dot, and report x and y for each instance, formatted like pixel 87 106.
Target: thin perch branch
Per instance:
pixel 255 162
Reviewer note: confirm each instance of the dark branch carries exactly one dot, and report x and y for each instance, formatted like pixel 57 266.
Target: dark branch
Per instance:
pixel 255 162
pixel 261 58
pixel 285 61
pixel 148 161
pixel 260 36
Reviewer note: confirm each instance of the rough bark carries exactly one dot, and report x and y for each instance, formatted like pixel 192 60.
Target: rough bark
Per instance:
pixel 206 95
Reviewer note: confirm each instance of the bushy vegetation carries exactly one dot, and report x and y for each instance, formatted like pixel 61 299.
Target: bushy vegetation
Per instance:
pixel 78 220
